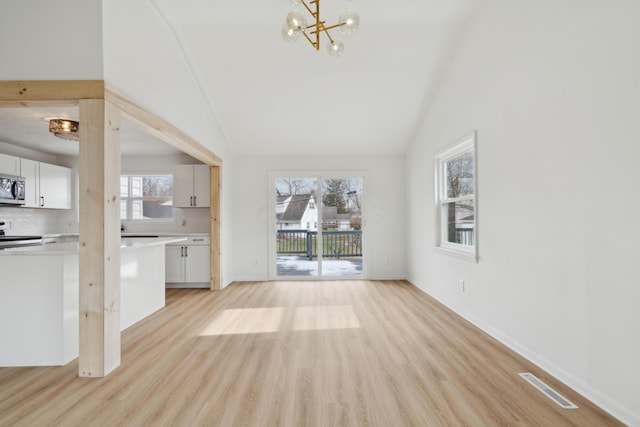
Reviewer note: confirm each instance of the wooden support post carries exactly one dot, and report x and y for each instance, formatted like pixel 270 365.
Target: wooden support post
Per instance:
pixel 99 242
pixel 214 173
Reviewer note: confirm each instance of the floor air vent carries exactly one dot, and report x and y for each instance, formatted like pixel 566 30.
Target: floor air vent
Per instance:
pixel 548 391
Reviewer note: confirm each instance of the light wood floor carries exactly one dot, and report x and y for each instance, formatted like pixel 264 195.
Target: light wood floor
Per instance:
pixel 360 353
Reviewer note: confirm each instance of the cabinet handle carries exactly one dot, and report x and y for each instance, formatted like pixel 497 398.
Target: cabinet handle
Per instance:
pixel 182 251
pixel 186 251
pixel 41 200
pixel 195 200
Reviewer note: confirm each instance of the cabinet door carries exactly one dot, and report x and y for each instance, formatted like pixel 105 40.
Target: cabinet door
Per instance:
pixel 55 186
pixel 9 165
pixel 182 186
pixel 201 186
pixel 198 267
pixel 174 264
pixel 30 170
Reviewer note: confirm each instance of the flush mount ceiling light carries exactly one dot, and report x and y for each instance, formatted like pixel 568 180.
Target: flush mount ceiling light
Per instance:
pixel 64 128
pixel 296 24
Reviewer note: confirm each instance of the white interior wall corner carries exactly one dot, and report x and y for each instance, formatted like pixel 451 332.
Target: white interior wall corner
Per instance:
pixel 555 107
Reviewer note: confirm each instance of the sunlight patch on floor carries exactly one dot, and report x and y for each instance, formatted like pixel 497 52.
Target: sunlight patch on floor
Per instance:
pixel 273 319
pixel 246 321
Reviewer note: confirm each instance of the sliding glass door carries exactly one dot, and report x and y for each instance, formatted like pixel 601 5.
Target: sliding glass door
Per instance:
pixel 317 227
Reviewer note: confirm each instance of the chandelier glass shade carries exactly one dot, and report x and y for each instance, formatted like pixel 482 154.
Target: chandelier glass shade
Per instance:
pixel 296 24
pixel 65 129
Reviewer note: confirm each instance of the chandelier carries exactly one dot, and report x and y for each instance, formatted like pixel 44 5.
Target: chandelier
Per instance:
pixel 296 24
pixel 64 128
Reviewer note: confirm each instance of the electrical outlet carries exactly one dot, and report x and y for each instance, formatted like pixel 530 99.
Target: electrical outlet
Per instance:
pixel 462 285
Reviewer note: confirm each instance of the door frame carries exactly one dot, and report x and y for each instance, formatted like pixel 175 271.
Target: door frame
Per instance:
pixel 320 175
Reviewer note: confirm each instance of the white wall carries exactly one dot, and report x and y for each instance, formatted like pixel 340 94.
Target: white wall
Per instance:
pixel 144 60
pixel 383 206
pixel 50 40
pixel 552 88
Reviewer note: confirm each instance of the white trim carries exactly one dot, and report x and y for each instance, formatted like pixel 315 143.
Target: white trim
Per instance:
pixel 462 145
pixel 621 413
pixel 129 199
pixel 272 223
pixel 456 252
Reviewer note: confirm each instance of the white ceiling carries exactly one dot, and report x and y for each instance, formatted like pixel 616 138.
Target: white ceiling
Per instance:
pixel 29 127
pixel 271 97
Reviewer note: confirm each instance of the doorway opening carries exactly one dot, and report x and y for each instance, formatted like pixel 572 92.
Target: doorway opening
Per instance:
pixel 318 227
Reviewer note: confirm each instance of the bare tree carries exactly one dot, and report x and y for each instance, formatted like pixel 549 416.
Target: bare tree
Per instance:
pixel 292 186
pixel 459 174
pixel 157 186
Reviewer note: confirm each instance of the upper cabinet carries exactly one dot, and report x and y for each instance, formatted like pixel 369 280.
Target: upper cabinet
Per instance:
pixel 46 186
pixel 191 186
pixel 9 165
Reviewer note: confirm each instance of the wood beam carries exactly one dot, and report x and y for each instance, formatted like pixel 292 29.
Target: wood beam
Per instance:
pixel 215 186
pixel 162 129
pixel 99 241
pixel 38 92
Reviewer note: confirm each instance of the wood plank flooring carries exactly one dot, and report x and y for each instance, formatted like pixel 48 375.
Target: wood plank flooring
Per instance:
pixel 338 353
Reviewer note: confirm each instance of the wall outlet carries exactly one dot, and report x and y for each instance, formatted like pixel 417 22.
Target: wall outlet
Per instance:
pixel 461 285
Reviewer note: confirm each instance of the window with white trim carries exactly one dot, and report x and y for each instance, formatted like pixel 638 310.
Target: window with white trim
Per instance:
pixel 456 215
pixel 146 197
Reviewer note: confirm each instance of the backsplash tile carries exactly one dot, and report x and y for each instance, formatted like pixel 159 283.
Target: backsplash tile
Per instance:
pixel 28 221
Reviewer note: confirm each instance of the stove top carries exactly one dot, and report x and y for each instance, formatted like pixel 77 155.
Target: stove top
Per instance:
pixel 13 241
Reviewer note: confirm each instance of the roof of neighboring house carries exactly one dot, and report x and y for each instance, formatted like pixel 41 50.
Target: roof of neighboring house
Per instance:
pixel 331 213
pixel 296 207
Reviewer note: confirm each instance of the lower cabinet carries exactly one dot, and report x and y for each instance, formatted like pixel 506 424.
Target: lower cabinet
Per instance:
pixel 188 263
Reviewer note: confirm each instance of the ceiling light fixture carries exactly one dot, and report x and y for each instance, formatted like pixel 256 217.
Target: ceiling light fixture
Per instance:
pixel 296 24
pixel 64 128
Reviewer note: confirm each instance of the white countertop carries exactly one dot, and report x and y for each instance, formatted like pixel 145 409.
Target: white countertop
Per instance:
pixel 130 233
pixel 71 248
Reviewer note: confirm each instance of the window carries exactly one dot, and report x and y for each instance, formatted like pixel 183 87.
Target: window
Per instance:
pixel 146 197
pixel 456 219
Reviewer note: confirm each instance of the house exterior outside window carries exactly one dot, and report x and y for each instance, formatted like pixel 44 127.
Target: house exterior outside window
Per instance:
pixel 456 214
pixel 296 212
pixel 146 197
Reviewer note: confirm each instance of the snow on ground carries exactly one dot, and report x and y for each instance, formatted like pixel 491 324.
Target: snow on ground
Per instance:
pixel 299 266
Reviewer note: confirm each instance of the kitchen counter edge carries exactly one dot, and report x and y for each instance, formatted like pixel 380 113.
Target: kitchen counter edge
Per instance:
pixel 71 248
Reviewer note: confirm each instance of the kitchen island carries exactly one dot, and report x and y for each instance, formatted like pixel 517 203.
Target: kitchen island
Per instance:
pixel 39 297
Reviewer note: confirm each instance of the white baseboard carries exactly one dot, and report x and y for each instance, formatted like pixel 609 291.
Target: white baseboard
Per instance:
pixel 621 413
pixel 388 277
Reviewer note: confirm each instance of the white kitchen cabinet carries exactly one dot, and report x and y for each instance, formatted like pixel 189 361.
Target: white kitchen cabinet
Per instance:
pixel 46 185
pixel 191 186
pixel 188 264
pixel 9 165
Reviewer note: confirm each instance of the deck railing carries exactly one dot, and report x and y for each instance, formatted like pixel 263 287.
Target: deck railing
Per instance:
pixel 335 244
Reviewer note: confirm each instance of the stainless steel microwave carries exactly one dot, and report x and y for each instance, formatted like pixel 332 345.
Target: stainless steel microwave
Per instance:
pixel 11 190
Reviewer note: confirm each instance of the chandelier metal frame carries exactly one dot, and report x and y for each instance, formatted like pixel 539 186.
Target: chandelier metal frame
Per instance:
pixel 319 25
pixel 296 24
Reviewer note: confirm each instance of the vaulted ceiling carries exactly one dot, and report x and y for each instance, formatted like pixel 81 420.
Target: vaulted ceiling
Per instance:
pixel 272 97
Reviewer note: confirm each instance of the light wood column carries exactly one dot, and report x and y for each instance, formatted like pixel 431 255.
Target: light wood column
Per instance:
pixel 99 165
pixel 215 176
